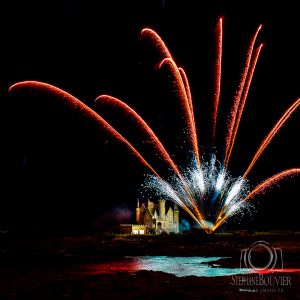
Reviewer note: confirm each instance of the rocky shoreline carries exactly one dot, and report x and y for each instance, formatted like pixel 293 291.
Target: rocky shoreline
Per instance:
pixel 38 268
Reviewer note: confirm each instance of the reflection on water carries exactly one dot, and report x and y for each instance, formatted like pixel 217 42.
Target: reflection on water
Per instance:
pixel 178 266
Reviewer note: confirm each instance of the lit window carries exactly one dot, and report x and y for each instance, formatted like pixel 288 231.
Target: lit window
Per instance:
pixel 135 231
pixel 142 231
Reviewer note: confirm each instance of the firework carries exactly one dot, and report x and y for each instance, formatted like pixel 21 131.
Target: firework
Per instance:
pixel 205 189
pixel 218 76
pixel 216 193
pixel 236 105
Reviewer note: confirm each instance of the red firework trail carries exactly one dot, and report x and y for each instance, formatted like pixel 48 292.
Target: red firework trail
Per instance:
pixel 164 51
pixel 190 100
pixel 237 99
pixel 78 106
pixel 243 101
pixel 271 181
pixel 157 41
pixel 181 82
pixel 185 103
pixel 133 115
pixel 261 187
pixel 218 75
pixel 188 93
pixel 272 133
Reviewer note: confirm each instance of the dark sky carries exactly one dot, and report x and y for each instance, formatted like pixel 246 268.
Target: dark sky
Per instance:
pixel 59 172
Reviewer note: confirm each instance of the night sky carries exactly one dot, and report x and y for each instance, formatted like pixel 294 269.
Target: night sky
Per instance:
pixel 60 173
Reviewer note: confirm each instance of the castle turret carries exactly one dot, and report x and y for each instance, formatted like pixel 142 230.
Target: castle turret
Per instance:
pixel 138 213
pixel 150 205
pixel 162 208
pixel 176 218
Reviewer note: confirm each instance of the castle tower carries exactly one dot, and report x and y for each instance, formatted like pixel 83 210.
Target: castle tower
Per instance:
pixel 150 205
pixel 176 219
pixel 138 212
pixel 162 208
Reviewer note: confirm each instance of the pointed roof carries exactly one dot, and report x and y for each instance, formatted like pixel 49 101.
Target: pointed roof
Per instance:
pixel 170 210
pixel 149 211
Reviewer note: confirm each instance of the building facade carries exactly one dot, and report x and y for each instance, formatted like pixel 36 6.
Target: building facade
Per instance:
pixel 153 218
pixel 133 229
pixel 157 218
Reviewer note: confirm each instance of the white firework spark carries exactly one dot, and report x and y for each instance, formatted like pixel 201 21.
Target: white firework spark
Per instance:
pixel 211 189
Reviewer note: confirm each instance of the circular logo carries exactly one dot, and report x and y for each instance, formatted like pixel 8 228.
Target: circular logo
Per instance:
pixel 266 254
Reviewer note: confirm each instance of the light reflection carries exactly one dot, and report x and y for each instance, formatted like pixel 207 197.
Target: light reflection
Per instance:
pixel 178 266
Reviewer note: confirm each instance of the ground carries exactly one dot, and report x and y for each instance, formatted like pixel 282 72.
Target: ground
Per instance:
pixel 49 268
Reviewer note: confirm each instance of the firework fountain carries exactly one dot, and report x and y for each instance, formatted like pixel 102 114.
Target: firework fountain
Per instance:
pixel 204 189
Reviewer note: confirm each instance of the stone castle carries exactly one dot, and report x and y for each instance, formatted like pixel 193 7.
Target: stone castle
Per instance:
pixel 153 218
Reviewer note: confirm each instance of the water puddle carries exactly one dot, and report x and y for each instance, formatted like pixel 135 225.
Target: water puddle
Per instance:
pixel 178 266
